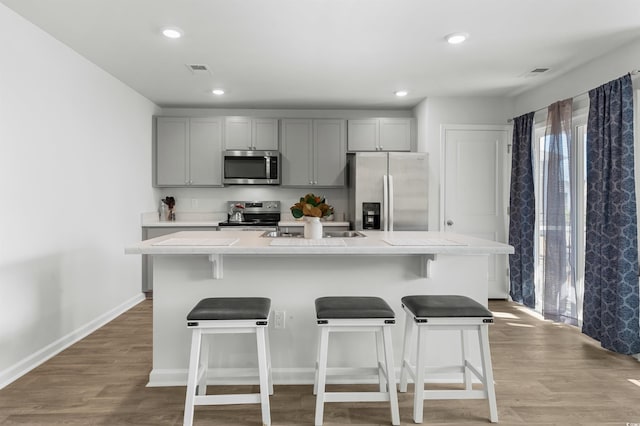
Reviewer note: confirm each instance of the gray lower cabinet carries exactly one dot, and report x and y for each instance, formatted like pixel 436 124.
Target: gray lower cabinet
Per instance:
pixel 313 152
pixel 188 152
pixel 147 261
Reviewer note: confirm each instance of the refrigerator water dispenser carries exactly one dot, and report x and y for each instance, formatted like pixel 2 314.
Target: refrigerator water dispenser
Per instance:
pixel 370 215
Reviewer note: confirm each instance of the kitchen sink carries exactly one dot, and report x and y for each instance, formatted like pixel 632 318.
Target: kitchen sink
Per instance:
pixel 326 234
pixel 281 234
pixel 342 234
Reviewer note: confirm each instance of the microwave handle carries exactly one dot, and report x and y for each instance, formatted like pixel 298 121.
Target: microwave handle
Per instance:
pixel 267 161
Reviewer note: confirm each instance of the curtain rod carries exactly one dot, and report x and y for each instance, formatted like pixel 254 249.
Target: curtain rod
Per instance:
pixel 632 72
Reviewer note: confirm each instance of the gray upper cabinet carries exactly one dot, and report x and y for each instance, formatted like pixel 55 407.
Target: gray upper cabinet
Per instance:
pixel 380 134
pixel 296 138
pixel 313 152
pixel 246 133
pixel 188 151
pixel 330 152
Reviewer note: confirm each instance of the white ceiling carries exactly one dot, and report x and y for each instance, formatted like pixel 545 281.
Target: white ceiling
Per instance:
pixel 333 53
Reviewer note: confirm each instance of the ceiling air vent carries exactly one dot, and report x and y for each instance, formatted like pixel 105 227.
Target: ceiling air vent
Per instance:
pixel 539 70
pixel 199 68
pixel 535 72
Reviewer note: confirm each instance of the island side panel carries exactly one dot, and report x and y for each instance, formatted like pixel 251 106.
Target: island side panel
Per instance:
pixel 293 283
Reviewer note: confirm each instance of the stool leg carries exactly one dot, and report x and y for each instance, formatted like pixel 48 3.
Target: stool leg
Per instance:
pixel 201 389
pixel 463 351
pixel 264 375
pixel 391 376
pixel 406 352
pixel 321 373
pixel 485 354
pixel 266 332
pixel 380 357
pixel 318 351
pixel 194 361
pixel 418 391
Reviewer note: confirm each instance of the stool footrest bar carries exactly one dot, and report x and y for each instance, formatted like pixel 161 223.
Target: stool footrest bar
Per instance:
pixel 356 396
pixel 454 394
pixel 241 398
pixel 352 371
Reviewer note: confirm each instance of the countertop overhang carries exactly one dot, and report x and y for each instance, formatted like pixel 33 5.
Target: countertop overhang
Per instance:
pixel 375 243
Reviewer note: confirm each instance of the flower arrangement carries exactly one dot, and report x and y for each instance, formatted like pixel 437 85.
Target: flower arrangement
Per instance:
pixel 311 205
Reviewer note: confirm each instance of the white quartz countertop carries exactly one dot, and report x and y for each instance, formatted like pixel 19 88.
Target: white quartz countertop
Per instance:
pixel 375 242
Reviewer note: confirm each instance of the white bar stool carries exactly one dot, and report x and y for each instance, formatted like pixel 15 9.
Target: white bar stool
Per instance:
pixel 224 315
pixel 446 313
pixel 356 314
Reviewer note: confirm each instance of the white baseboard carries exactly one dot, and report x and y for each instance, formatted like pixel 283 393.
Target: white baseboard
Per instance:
pixel 18 370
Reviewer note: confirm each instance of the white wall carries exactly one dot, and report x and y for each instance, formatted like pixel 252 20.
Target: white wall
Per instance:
pixel 433 113
pixel 75 167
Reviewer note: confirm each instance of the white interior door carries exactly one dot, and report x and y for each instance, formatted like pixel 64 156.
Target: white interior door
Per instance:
pixel 474 201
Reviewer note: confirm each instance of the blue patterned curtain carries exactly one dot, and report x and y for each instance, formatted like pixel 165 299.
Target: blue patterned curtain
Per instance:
pixel 522 213
pixel 611 299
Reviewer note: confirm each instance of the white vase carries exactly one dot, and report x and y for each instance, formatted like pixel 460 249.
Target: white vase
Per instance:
pixel 312 228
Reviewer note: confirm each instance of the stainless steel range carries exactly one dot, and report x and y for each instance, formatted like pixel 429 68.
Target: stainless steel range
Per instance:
pixel 252 216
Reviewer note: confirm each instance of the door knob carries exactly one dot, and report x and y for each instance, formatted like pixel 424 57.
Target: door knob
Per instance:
pixel 449 222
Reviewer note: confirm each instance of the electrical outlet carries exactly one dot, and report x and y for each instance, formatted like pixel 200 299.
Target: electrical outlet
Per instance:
pixel 279 319
pixel 194 203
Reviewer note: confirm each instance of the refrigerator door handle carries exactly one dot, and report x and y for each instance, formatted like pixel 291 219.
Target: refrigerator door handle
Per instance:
pixel 390 202
pixel 385 200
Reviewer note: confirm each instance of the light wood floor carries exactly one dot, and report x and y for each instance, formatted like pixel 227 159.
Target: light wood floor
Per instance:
pixel 545 374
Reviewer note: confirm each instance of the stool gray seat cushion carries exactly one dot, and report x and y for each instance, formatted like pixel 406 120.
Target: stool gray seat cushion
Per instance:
pixel 231 308
pixel 352 307
pixel 444 306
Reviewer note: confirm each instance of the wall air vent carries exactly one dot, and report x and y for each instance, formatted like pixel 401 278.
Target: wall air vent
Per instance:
pixel 199 68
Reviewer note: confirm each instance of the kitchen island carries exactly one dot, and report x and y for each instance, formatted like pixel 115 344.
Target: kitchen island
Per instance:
pixel 192 265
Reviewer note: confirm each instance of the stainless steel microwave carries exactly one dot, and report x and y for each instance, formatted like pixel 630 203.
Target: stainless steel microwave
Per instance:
pixel 251 168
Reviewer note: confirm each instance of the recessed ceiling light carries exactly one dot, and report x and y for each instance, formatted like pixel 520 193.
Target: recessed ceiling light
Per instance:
pixel 401 93
pixel 457 38
pixel 217 92
pixel 172 32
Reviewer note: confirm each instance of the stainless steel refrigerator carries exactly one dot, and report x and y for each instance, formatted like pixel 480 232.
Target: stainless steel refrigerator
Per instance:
pixel 388 191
